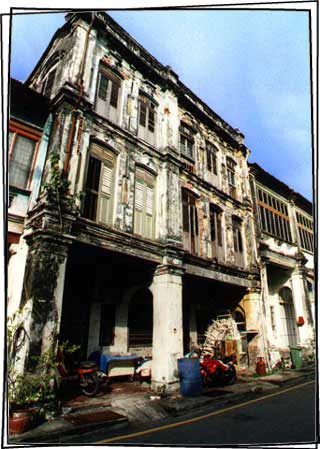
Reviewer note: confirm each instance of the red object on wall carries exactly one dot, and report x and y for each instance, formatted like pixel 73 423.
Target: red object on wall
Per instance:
pixel 261 366
pixel 300 320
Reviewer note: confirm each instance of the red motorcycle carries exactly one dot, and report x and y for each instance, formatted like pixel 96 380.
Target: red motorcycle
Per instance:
pixel 218 372
pixel 86 375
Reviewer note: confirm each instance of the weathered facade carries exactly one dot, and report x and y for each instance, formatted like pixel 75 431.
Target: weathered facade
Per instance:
pixel 144 229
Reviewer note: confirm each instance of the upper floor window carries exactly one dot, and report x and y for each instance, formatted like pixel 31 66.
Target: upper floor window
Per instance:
pixel 211 152
pixel 146 119
pixel 238 241
pixel 274 217
pixel 216 231
pixel 144 204
pixel 22 152
pixel 107 98
pixel 48 83
pixel 231 170
pixel 187 141
pixel 237 234
pixel 100 183
pixel 305 230
pixel 190 222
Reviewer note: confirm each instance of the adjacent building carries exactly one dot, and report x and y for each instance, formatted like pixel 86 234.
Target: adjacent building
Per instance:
pixel 29 128
pixel 145 229
pixel 284 230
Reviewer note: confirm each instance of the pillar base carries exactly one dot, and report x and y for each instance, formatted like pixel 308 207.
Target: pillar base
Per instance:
pixel 162 388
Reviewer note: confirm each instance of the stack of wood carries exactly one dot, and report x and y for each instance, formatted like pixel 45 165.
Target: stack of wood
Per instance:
pixel 222 328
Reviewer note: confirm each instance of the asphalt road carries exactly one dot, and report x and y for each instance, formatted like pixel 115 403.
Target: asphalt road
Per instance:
pixel 288 417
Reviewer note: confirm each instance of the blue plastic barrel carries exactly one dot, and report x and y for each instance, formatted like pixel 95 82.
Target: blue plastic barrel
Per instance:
pixel 190 378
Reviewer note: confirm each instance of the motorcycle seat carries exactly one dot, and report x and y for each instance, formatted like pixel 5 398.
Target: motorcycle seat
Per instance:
pixel 87 364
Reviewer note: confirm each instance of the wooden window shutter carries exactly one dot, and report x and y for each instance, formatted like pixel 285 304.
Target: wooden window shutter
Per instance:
pixel 114 93
pixel 151 122
pixel 185 212
pixel 139 195
pixel 143 112
pixel 144 204
pixel 149 202
pixel 219 229
pixel 103 87
pixel 106 186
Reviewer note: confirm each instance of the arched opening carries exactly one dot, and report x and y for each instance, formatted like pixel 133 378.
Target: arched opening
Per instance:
pixel 140 321
pixel 288 317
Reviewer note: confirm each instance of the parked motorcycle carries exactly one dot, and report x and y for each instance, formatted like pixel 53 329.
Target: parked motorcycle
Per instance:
pixel 218 372
pixel 86 375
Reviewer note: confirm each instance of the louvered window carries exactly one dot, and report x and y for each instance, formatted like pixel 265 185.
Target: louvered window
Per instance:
pixel 144 204
pixel 146 119
pixel 100 181
pixel 108 90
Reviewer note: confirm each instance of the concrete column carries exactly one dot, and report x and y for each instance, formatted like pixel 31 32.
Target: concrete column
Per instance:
pixel 94 327
pixel 252 306
pixel 121 329
pixel 193 325
pixel 43 290
pixel 167 325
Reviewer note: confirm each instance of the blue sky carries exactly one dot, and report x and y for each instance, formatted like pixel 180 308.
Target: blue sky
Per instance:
pixel 250 67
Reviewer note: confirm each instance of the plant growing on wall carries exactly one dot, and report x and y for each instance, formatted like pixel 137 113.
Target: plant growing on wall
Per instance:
pixel 57 185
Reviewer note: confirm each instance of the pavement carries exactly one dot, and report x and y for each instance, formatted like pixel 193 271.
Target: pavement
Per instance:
pixel 121 403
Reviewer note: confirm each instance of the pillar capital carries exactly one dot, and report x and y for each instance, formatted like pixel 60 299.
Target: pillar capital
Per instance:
pixel 173 270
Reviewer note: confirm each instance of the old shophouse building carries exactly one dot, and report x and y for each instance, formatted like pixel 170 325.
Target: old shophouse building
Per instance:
pixel 144 229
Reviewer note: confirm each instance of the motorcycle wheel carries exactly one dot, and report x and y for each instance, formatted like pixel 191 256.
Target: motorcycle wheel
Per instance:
pixel 231 376
pixel 90 385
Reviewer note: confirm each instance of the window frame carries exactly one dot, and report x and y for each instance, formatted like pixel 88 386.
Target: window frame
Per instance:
pixel 144 131
pixel 238 245
pixel 216 226
pixel 305 231
pixel 187 148
pixel 106 157
pixel 273 215
pixel 231 177
pixel 190 222
pixel 104 106
pixel 21 130
pixel 211 158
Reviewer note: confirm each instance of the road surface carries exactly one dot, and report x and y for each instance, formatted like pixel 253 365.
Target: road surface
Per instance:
pixel 286 416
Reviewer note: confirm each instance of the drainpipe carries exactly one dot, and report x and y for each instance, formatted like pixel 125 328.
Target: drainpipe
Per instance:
pixel 75 112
